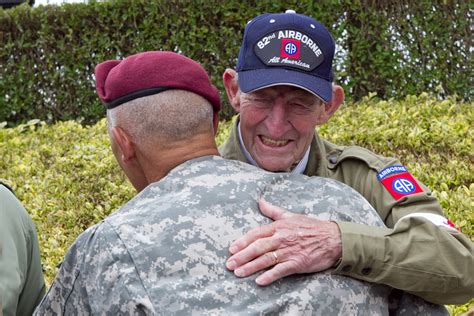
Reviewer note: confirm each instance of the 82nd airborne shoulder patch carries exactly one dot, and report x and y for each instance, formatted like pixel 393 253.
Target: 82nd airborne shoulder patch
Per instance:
pixel 398 181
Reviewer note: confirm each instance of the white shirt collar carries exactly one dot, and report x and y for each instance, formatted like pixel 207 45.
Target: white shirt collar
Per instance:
pixel 299 169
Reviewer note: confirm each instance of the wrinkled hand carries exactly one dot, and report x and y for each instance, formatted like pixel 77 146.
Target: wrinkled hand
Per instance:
pixel 292 244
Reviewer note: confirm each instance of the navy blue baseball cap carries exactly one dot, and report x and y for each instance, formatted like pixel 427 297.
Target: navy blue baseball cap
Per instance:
pixel 286 49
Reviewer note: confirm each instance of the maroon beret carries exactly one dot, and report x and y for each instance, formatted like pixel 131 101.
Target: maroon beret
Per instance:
pixel 143 74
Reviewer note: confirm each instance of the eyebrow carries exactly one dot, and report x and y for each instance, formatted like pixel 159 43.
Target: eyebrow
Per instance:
pixel 306 97
pixel 294 94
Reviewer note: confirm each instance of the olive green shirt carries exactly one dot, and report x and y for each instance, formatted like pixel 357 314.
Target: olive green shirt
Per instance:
pixel 21 276
pixel 412 254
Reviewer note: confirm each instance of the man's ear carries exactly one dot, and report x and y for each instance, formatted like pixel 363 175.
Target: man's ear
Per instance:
pixel 124 144
pixel 231 86
pixel 332 106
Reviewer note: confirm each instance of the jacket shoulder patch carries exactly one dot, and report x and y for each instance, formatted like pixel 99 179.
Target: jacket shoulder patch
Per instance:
pixel 399 183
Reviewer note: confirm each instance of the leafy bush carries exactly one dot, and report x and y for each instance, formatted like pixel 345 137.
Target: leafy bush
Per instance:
pixel 67 178
pixel 394 48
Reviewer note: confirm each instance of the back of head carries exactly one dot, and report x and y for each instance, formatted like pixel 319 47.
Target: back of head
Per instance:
pixel 157 91
pixel 163 119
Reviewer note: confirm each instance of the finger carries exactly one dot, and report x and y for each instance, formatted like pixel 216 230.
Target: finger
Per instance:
pixel 254 250
pixel 265 261
pixel 272 211
pixel 279 271
pixel 250 237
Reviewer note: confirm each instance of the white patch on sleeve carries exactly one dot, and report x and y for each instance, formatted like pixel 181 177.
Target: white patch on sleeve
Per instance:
pixel 438 220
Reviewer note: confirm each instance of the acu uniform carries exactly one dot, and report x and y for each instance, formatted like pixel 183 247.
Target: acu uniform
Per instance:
pixel 397 255
pixel 164 251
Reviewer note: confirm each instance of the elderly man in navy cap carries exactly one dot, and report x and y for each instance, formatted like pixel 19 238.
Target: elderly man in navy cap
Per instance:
pixel 163 252
pixel 282 89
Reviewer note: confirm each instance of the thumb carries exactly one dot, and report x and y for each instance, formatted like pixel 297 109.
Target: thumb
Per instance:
pixel 272 211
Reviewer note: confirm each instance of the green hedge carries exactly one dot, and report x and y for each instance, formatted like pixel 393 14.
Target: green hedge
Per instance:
pixel 67 178
pixel 392 48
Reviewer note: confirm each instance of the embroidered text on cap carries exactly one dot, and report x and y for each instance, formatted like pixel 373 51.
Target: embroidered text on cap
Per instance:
pixel 289 48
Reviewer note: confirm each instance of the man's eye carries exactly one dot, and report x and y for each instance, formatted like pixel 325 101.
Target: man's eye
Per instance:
pixel 299 106
pixel 261 102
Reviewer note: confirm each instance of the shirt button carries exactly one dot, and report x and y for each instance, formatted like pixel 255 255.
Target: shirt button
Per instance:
pixel 346 268
pixel 332 159
pixel 366 271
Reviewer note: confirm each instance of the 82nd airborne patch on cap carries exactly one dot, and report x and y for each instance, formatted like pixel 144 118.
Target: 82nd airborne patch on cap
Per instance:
pixel 398 181
pixel 289 48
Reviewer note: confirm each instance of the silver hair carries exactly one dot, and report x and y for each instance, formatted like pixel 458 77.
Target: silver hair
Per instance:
pixel 168 116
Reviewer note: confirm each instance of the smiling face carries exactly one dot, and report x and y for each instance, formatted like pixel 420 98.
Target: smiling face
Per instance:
pixel 277 124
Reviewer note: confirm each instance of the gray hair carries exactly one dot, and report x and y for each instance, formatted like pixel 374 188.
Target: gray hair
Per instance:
pixel 168 116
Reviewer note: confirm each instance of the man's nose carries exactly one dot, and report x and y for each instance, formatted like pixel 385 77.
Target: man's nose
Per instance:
pixel 277 119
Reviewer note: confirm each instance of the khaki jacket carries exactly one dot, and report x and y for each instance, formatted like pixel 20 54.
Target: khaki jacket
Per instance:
pixel 21 276
pixel 413 254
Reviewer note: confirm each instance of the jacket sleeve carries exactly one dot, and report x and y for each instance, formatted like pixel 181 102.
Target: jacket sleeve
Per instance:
pixel 22 283
pixel 418 252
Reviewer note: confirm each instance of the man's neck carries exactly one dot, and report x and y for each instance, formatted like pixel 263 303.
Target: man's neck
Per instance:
pixel 173 154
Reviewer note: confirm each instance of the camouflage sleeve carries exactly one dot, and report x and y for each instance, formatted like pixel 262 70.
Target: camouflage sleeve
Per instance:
pixel 96 266
pixel 68 283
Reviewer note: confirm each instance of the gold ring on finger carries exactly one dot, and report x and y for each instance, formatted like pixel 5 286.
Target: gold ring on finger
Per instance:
pixel 275 257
